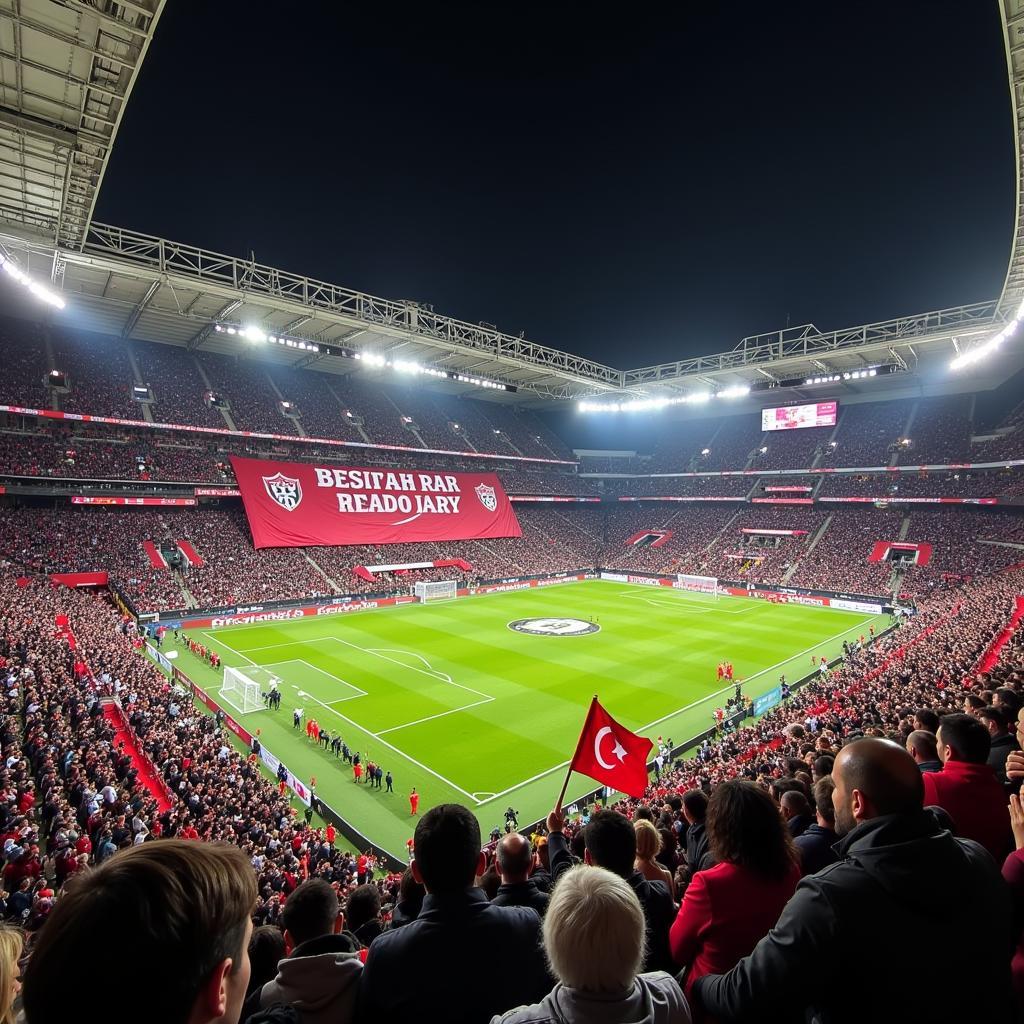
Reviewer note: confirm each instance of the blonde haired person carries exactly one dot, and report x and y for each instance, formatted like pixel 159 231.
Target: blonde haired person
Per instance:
pixel 594 941
pixel 11 946
pixel 648 846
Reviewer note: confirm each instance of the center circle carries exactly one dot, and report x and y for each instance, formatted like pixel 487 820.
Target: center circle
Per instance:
pixel 554 627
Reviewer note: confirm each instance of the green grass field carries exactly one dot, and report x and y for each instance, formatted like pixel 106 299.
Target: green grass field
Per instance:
pixel 454 702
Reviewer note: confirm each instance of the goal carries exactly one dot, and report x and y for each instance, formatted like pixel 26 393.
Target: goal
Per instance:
pixel 444 590
pixel 698 584
pixel 242 691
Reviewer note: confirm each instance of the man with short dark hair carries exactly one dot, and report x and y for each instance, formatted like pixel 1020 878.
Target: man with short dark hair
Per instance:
pixel 921 746
pixel 515 859
pixel 611 844
pixel 321 973
pixel 926 719
pixel 462 953
pixel 815 843
pixel 856 918
pixel 1003 743
pixel 966 788
pixel 796 811
pixel 695 810
pixel 175 918
pixel 363 913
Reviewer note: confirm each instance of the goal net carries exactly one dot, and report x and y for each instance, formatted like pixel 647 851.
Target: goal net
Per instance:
pixel 443 590
pixel 245 690
pixel 698 584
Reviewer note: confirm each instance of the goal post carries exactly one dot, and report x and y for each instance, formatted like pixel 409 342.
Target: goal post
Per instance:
pixel 442 590
pixel 243 690
pixel 698 584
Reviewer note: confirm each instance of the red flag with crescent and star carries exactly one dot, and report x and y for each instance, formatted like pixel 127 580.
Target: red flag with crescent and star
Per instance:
pixel 610 753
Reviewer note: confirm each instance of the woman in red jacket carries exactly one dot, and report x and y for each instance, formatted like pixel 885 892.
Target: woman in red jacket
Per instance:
pixel 728 908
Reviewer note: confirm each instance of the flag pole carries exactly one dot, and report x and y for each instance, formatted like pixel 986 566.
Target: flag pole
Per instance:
pixel 568 773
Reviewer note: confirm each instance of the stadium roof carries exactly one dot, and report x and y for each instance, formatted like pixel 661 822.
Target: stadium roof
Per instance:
pixel 67 68
pixel 54 143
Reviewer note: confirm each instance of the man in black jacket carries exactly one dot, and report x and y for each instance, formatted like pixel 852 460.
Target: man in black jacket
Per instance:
pixel 846 936
pixel 517 889
pixel 611 844
pixel 1003 743
pixel 462 958
pixel 695 810
pixel 815 843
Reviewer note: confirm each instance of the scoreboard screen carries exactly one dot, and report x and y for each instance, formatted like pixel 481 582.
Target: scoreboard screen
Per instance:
pixel 793 417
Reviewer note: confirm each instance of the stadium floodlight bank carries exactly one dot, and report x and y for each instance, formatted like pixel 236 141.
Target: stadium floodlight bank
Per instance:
pixel 699 584
pixel 443 590
pixel 244 691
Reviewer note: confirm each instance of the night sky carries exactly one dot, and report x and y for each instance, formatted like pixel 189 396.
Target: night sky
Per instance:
pixel 636 189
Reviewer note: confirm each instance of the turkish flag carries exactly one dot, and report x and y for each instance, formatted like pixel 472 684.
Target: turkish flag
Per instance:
pixel 610 753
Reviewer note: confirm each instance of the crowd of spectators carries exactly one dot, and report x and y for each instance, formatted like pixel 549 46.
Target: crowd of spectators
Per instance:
pixel 721 867
pixel 940 432
pixel 959 484
pixel 865 432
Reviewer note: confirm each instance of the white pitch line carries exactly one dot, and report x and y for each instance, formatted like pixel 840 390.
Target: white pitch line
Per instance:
pixel 440 714
pixel 217 640
pixel 391 746
pixel 696 703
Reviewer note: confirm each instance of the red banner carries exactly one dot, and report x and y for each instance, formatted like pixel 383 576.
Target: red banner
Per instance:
pixel 293 504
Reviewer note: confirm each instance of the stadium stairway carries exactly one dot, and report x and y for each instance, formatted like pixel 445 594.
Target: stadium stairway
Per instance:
pixel 148 775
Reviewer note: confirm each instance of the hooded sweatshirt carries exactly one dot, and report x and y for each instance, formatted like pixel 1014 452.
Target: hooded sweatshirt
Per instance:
pixel 319 979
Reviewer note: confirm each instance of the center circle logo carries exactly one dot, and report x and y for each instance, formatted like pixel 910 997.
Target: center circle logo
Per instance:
pixel 554 627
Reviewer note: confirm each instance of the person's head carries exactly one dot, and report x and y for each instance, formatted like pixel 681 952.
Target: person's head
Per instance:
pixel 993 719
pixel 921 746
pixel 926 719
pixel 973 704
pixel 794 805
pixel 695 806
pixel 1008 700
pixel 873 778
pixel 310 911
pixel 363 905
pixel 826 813
pixel 594 931
pixel 447 845
pixel 11 945
pixel 514 857
pixel 822 766
pixel 611 843
pixel 963 738
pixel 175 918
pixel 645 812
pixel 266 948
pixel 409 889
pixel 648 840
pixel 745 828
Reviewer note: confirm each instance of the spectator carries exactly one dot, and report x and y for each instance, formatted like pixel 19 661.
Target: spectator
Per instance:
pixel 515 859
pixel 611 844
pixel 11 945
pixel 966 788
pixel 321 974
pixel 1003 743
pixel 266 948
pixel 410 900
pixel 854 918
pixel 363 910
pixel 695 809
pixel 814 844
pixel 174 916
pixel 922 747
pixel 594 939
pixel 728 907
pixel 462 953
pixel 796 812
pixel 648 845
pixel 927 720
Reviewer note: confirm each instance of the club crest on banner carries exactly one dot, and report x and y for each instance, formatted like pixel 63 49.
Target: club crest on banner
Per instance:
pixel 285 490
pixel 487 497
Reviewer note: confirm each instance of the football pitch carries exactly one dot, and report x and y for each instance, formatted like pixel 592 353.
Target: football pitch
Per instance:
pixel 455 699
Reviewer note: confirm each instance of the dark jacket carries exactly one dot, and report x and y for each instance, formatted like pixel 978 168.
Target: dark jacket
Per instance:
pixel 522 894
pixel 799 824
pixel 1001 747
pixel 404 912
pixel 814 845
pixel 891 882
pixel 654 897
pixel 698 856
pixel 927 767
pixel 462 958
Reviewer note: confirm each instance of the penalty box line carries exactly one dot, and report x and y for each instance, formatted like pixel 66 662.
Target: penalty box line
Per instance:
pixel 694 704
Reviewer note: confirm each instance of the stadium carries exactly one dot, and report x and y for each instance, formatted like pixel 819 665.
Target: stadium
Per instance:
pixel 310 594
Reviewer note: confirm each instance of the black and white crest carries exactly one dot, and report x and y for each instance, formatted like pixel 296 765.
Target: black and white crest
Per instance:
pixel 487 497
pixel 285 490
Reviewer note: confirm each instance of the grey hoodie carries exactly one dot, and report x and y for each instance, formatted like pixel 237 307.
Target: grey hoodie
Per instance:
pixel 319 979
pixel 655 998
